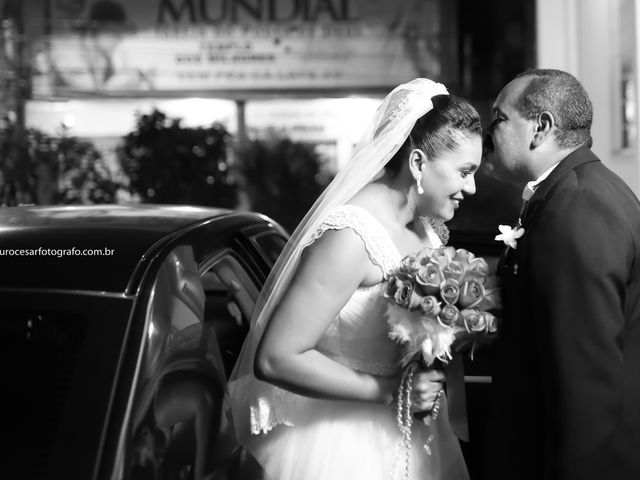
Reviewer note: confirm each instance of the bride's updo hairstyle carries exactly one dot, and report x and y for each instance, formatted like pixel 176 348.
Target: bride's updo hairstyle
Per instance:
pixel 451 121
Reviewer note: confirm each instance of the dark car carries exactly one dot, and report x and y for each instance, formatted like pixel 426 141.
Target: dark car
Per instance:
pixel 119 327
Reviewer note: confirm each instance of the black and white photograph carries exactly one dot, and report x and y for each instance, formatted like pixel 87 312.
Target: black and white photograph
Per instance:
pixel 320 239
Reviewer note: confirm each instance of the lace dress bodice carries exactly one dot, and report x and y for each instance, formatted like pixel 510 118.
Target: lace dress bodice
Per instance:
pixel 358 336
pixel 333 439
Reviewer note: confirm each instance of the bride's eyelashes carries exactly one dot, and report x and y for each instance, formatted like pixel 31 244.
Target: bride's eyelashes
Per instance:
pixel 467 170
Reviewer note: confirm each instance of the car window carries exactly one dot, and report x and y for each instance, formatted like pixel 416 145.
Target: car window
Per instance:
pixel 270 245
pixel 180 381
pixel 58 364
pixel 196 321
pixel 230 297
pixel 40 351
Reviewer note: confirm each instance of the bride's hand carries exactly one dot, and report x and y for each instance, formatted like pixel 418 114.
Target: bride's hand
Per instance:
pixel 427 385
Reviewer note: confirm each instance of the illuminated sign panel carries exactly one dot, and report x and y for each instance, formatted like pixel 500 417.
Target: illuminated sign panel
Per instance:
pixel 151 46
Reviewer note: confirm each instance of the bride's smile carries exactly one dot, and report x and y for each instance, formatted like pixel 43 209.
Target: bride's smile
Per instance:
pixel 448 178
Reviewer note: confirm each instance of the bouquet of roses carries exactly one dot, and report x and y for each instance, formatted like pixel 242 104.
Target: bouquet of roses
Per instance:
pixel 438 296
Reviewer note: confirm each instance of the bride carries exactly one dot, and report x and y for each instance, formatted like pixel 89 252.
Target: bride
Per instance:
pixel 313 392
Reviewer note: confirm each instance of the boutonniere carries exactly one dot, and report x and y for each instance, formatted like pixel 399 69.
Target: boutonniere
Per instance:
pixel 509 235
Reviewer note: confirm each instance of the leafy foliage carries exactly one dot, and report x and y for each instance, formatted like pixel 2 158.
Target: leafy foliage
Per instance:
pixel 281 178
pixel 169 163
pixel 44 169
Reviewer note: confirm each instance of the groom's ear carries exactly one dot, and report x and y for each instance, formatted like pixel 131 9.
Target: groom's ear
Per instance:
pixel 543 127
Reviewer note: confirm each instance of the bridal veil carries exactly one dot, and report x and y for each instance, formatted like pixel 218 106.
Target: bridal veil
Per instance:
pixel 259 406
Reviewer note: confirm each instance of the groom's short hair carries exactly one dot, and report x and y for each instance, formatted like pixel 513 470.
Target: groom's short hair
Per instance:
pixel 561 94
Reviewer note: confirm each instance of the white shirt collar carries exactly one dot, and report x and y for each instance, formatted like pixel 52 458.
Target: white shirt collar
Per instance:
pixel 531 186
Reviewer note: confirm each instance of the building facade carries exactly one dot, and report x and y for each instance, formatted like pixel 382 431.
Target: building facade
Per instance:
pixel 316 69
pixel 597 41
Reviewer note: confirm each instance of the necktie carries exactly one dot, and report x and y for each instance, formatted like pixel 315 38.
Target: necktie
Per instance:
pixel 527 193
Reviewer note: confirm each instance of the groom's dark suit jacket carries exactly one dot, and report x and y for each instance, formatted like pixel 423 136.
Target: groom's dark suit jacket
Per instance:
pixel 567 362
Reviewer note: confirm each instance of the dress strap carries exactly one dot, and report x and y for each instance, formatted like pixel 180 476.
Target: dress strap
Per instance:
pixel 380 248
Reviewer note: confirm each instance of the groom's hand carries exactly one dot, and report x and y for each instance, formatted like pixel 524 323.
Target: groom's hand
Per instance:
pixel 427 385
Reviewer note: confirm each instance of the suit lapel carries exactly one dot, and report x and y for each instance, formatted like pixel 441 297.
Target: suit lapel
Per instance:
pixel 582 155
pixel 576 158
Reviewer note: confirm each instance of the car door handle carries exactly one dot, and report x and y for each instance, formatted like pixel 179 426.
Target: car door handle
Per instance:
pixel 477 379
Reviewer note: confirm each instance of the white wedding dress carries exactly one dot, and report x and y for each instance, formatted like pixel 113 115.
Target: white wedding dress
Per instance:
pixel 335 440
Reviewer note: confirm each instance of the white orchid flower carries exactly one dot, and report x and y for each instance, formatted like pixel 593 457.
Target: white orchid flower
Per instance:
pixel 509 235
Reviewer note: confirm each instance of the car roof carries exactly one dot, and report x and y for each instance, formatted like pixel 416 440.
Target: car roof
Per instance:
pixel 162 218
pixel 130 231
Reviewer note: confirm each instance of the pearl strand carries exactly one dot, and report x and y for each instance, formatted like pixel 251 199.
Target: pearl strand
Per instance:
pixel 434 415
pixel 403 415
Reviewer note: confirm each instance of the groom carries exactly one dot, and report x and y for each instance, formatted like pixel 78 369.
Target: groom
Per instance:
pixel 567 370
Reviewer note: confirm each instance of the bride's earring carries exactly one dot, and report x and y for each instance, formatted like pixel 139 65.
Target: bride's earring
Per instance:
pixel 419 182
